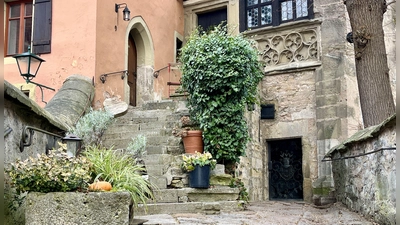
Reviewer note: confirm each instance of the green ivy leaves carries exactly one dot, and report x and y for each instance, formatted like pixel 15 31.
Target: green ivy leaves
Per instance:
pixel 221 73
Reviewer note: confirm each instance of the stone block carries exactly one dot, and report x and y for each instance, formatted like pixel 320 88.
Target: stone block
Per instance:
pixel 74 208
pixel 159 182
pixel 166 196
pixel 154 170
pixel 213 194
pixel 220 180
pixel 211 208
pixel 219 169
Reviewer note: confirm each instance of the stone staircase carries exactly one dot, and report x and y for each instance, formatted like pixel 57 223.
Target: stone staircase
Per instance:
pixel 162 160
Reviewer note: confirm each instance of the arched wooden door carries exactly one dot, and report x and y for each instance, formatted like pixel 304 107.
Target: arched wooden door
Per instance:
pixel 132 71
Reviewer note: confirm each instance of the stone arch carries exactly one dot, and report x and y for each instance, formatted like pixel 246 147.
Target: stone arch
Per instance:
pixel 141 35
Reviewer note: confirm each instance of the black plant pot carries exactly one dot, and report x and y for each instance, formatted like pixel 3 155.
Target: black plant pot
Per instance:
pixel 200 177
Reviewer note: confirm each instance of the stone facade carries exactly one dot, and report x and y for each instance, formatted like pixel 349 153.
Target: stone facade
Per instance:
pixel 365 182
pixel 310 78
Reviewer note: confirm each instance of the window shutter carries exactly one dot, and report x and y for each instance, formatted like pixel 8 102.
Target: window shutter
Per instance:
pixel 42 27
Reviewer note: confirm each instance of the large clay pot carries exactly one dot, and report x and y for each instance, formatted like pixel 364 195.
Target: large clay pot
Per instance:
pixel 200 177
pixel 193 142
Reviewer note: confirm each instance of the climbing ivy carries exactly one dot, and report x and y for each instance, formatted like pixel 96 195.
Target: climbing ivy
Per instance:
pixel 221 72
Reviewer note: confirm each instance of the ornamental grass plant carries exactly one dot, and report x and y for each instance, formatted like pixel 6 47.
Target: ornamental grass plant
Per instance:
pixel 122 171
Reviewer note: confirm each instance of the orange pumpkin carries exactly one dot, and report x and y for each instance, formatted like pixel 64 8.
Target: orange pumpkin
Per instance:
pixel 100 186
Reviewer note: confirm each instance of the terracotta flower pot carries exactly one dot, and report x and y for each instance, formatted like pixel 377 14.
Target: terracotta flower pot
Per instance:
pixel 193 141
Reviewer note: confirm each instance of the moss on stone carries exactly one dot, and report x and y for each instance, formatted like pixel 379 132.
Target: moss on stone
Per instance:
pixel 324 191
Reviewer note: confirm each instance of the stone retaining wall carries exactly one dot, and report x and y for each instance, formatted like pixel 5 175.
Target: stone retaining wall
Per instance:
pixel 73 208
pixel 367 184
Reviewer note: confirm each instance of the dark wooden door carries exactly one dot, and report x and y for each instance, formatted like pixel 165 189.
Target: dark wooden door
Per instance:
pixel 132 71
pixel 285 169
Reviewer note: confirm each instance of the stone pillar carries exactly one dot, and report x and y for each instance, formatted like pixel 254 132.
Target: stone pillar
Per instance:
pixel 337 104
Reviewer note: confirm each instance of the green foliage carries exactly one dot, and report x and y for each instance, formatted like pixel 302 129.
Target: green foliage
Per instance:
pixel 243 194
pixel 91 126
pixel 201 159
pixel 137 147
pixel 50 173
pixel 121 171
pixel 221 73
pixel 14 213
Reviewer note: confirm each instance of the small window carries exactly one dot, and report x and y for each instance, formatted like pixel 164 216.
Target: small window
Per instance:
pixel 26 92
pixel 22 29
pixel 262 13
pixel 268 111
pixel 178 45
pixel 19 24
pixel 207 21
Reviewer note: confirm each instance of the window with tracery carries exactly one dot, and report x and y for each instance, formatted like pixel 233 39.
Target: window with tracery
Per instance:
pixel 261 13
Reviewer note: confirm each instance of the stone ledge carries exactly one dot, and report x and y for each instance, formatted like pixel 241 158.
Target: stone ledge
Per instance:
pixel 189 207
pixel 73 208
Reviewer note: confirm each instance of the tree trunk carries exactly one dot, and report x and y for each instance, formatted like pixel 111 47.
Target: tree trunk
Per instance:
pixel 372 70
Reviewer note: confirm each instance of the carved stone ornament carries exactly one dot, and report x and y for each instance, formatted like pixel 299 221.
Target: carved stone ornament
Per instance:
pixel 288 48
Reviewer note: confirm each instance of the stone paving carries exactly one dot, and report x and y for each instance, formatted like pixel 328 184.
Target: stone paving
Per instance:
pixel 267 213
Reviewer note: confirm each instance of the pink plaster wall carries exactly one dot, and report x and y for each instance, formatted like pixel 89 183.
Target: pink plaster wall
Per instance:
pixel 85 42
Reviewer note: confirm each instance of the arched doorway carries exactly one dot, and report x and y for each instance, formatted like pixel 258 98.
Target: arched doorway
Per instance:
pixel 132 70
pixel 139 62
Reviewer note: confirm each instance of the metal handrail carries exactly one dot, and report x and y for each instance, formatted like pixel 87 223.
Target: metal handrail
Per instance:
pixel 25 135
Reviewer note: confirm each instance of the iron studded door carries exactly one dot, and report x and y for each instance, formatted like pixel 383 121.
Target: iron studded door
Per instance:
pixel 285 169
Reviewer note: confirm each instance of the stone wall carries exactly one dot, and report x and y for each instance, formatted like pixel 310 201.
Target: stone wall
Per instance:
pixel 366 183
pixel 73 208
pixel 20 111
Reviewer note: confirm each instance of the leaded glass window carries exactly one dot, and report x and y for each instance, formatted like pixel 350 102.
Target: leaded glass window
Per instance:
pixel 301 8
pixel 260 13
pixel 266 14
pixel 252 17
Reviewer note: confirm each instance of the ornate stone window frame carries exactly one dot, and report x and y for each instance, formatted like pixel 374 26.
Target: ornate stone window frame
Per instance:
pixel 194 7
pixel 290 47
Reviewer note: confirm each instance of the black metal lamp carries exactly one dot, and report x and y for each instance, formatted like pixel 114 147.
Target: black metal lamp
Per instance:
pixel 126 11
pixel 73 144
pixel 28 64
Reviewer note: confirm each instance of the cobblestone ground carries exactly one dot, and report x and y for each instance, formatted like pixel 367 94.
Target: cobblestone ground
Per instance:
pixel 268 213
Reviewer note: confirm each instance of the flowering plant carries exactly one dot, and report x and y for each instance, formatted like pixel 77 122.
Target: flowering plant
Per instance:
pixel 201 159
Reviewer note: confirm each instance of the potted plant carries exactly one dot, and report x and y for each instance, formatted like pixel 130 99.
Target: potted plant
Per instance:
pixel 191 135
pixel 199 165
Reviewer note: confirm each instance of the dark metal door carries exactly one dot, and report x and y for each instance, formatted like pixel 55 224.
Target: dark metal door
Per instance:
pixel 285 169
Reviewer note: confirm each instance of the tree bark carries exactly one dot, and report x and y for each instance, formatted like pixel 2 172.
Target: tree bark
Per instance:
pixel 376 99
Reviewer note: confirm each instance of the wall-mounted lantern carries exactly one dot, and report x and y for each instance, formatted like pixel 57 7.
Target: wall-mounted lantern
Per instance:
pixel 126 13
pixel 73 144
pixel 28 66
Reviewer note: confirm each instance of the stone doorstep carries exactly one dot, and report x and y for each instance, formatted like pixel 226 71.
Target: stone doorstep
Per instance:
pixel 183 195
pixel 188 207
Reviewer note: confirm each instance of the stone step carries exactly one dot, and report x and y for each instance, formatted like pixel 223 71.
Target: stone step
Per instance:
pixel 177 105
pixel 163 143
pixel 183 195
pixel 215 207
